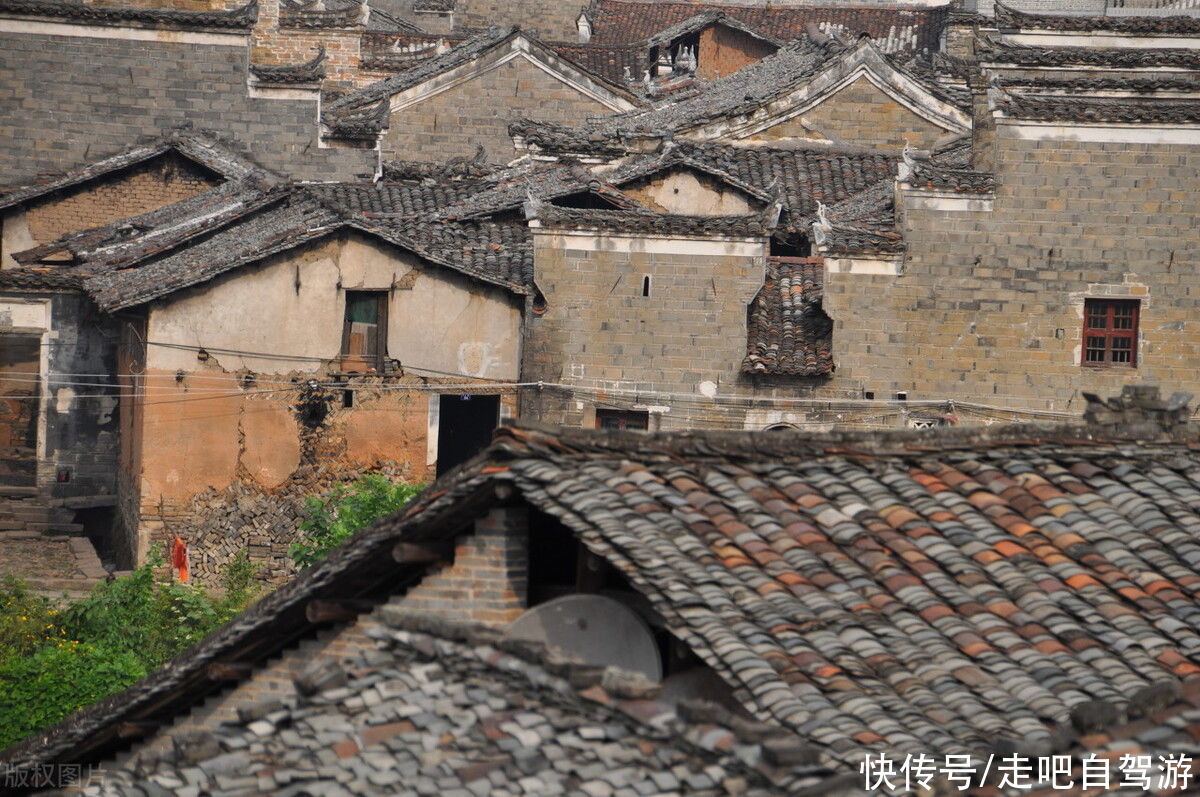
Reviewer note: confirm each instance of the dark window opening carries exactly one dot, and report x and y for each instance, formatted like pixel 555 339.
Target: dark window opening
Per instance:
pixel 690 41
pixel 559 565
pixel 1110 328
pixel 364 333
pixel 348 398
pixel 799 247
pixel 465 426
pixel 585 200
pixel 623 420
pixel 646 285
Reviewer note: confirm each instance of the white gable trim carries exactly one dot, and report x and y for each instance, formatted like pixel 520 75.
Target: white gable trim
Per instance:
pixel 519 47
pixel 1131 133
pixel 865 61
pixel 1046 38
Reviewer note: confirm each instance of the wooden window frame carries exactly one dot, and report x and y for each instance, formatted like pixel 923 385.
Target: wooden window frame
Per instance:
pixel 1110 331
pixel 377 358
pixel 622 418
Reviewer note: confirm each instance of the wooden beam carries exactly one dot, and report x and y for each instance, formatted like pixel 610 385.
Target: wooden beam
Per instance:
pixel 131 729
pixel 409 553
pixel 228 670
pixel 335 611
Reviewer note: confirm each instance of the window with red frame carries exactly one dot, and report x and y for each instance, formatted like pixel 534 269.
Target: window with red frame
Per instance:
pixel 1110 330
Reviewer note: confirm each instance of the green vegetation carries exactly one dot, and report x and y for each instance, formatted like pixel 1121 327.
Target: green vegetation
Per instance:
pixel 334 517
pixel 54 662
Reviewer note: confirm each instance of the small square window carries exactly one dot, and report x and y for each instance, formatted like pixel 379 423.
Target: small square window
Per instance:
pixel 1110 331
pixel 623 420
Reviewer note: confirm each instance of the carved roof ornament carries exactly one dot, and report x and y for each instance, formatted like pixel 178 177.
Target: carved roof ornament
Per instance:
pixel 533 205
pixel 822 226
pixel 908 164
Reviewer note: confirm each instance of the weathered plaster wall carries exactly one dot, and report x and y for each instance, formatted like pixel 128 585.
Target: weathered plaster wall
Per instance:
pixel 690 193
pixel 294 304
pixel 477 112
pixel 990 305
pixel 77 407
pixel 227 463
pixel 858 114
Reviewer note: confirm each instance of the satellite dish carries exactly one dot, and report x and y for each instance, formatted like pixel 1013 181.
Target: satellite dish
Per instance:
pixel 595 630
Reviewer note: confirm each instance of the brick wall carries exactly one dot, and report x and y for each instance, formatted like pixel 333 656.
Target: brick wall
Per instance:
pixel 990 305
pixel 554 20
pixel 859 114
pixel 133 192
pixel 100 94
pixel 488 580
pixel 723 51
pixel 454 122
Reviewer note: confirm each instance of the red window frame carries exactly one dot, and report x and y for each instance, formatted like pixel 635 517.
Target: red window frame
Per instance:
pixel 1110 332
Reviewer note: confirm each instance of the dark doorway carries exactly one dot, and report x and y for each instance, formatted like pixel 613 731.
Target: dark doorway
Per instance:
pixel 20 366
pixel 465 425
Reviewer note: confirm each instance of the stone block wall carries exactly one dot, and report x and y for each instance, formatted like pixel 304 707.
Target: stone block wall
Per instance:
pixel 990 305
pixel 600 332
pixel 477 112
pixel 99 92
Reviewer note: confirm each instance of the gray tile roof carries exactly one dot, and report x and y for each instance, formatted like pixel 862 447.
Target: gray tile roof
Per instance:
pixel 328 14
pixel 310 71
pixel 648 221
pixel 1096 109
pixel 240 18
pixel 989 49
pixel 443 709
pixel 202 147
pixel 864 224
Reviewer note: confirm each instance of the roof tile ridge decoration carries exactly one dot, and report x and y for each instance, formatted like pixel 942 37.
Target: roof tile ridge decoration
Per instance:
pixel 399 52
pixel 202 146
pixel 1086 85
pixel 363 123
pixel 458 54
pixel 757 224
pixel 241 18
pixel 1085 110
pixel 929 174
pixel 788 332
pixel 310 71
pixel 862 224
pixel 1007 17
pixel 702 20
pixel 320 13
pixel 434 5
pixel 768 754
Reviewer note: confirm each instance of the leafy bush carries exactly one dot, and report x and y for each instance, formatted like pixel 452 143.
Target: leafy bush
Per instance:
pixel 334 517
pixel 27 620
pixel 60 678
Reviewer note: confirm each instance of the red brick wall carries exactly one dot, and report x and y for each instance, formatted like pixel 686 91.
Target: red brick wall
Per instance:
pixel 723 51
pixel 488 581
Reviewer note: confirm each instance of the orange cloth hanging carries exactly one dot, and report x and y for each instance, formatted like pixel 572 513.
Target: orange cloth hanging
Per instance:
pixel 179 558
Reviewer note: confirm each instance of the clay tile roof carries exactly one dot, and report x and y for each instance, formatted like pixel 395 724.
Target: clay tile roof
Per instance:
pixel 310 71
pixel 863 224
pixel 788 333
pixel 403 50
pixel 202 147
pixel 609 61
pixel 628 21
pixel 508 188
pixel 955 590
pixel 1160 23
pixel 240 18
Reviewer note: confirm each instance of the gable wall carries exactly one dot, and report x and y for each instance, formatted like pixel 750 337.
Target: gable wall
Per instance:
pixel 227 464
pixel 454 122
pixel 723 51
pixel 141 189
pixel 858 114
pixel 689 193
pixel 990 305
